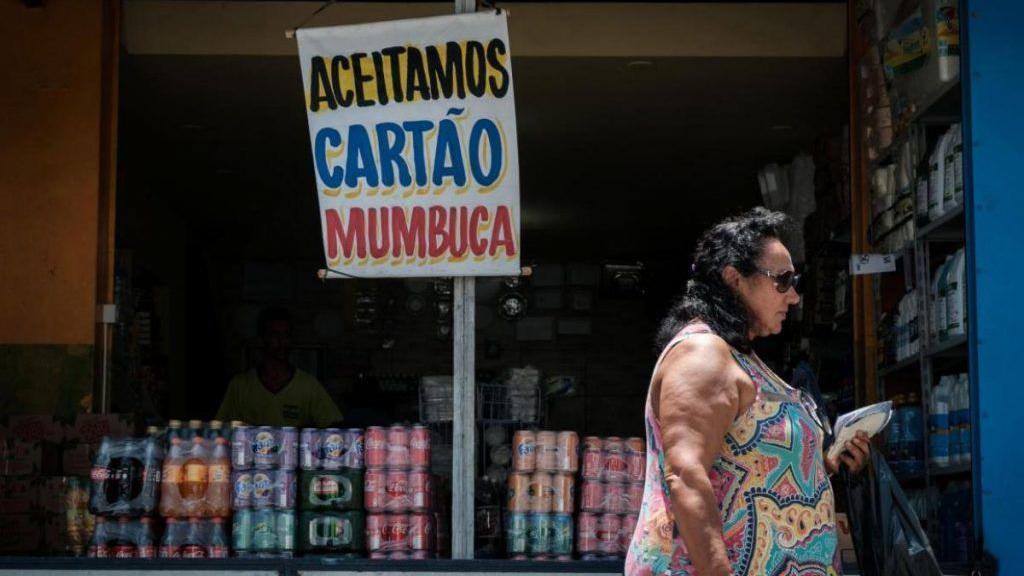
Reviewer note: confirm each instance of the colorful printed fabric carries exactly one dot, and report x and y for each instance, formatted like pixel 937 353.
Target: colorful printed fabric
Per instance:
pixel 774 496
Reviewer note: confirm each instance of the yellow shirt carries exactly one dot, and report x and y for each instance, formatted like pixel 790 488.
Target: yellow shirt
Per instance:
pixel 301 402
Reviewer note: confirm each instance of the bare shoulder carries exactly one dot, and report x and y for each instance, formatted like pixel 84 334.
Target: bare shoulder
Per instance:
pixel 700 354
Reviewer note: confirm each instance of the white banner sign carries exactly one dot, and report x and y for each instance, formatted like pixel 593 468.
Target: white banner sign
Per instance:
pixel 413 130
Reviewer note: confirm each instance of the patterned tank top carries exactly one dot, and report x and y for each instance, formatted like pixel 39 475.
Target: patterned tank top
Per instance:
pixel 774 496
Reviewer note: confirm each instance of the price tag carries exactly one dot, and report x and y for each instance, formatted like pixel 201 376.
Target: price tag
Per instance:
pixel 861 264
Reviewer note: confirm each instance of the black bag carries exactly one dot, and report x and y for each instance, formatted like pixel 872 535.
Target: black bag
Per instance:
pixel 886 533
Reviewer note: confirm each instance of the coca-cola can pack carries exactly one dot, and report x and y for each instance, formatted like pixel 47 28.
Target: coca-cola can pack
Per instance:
pixel 398 454
pixel 376 447
pixel 419 447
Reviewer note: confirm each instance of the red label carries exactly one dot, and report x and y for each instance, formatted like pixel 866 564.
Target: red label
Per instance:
pixel 147 551
pixel 218 552
pixel 99 474
pixel 125 551
pixel 170 552
pixel 193 551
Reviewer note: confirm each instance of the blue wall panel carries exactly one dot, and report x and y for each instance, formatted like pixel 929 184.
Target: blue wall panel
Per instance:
pixel 994 75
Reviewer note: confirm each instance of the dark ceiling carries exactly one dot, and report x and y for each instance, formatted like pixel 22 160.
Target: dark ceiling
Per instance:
pixel 617 159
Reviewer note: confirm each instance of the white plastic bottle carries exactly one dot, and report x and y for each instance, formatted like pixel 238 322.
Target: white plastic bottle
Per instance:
pixel 937 178
pixel 965 419
pixel 942 312
pixel 955 295
pixel 947 39
pixel 958 170
pixel 949 201
pixel 938 304
pixel 938 424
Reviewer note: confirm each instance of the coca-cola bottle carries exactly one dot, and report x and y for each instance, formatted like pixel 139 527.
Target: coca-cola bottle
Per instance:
pixel 195 428
pixel 153 459
pixel 194 544
pixel 99 545
pixel 170 544
pixel 145 541
pixel 123 545
pixel 218 494
pixel 217 540
pixel 98 477
pixel 173 431
pixel 170 491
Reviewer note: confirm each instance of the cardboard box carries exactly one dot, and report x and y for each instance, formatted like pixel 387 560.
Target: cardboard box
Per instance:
pixel 35 429
pixel 91 428
pixel 18 495
pixel 24 458
pixel 76 459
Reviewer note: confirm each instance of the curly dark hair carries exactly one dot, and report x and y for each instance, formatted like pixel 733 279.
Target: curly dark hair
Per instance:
pixel 737 241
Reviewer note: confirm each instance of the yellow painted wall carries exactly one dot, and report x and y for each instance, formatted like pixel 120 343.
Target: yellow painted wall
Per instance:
pixel 50 110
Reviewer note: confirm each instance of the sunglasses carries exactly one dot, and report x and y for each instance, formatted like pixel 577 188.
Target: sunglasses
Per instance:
pixel 784 281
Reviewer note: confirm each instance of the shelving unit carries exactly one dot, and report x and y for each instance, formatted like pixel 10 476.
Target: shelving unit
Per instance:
pixel 935 107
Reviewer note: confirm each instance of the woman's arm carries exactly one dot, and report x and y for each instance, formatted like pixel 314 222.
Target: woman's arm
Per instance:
pixel 698 401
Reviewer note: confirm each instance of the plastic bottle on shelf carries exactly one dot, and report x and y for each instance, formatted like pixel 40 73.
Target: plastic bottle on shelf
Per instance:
pixel 939 313
pixel 958 170
pixel 937 178
pixel 938 434
pixel 949 198
pixel 218 492
pixel 913 435
pixel 947 39
pixel 895 439
pixel 956 295
pixel 921 202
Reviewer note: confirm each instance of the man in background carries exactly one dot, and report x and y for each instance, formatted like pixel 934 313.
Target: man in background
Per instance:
pixel 276 393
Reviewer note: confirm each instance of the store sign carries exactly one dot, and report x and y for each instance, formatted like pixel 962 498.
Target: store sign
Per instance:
pixel 413 131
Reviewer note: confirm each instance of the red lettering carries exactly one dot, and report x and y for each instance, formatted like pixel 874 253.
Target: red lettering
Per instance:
pixel 410 237
pixel 337 234
pixel 477 245
pixel 502 236
pixel 379 245
pixel 438 233
pixel 458 219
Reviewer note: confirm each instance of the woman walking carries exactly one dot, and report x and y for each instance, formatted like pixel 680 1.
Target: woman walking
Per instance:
pixel 737 481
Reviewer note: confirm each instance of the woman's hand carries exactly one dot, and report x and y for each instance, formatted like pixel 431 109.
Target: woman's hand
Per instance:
pixel 854 455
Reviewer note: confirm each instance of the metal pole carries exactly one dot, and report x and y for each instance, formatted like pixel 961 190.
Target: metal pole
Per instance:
pixel 464 432
pixel 464 425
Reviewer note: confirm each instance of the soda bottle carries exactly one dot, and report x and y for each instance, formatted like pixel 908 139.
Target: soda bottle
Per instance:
pixel 99 546
pixel 170 496
pixel 194 478
pixel 123 545
pixel 194 544
pixel 124 481
pixel 173 430
pixel 152 460
pixel 99 475
pixel 215 430
pixel 145 542
pixel 217 540
pixel 195 429
pixel 170 545
pixel 218 493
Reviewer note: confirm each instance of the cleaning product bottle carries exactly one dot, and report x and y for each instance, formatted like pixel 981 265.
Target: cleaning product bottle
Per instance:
pixel 936 307
pixel 941 313
pixel 955 300
pixel 965 420
pixel 958 170
pixel 947 39
pixel 949 201
pixel 938 425
pixel 936 178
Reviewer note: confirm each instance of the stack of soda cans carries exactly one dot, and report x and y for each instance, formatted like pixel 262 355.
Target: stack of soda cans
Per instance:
pixel 401 522
pixel 332 520
pixel 541 495
pixel 611 493
pixel 124 495
pixel 263 462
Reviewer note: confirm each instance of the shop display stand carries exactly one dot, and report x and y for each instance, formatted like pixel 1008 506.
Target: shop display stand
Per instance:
pixel 934 110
